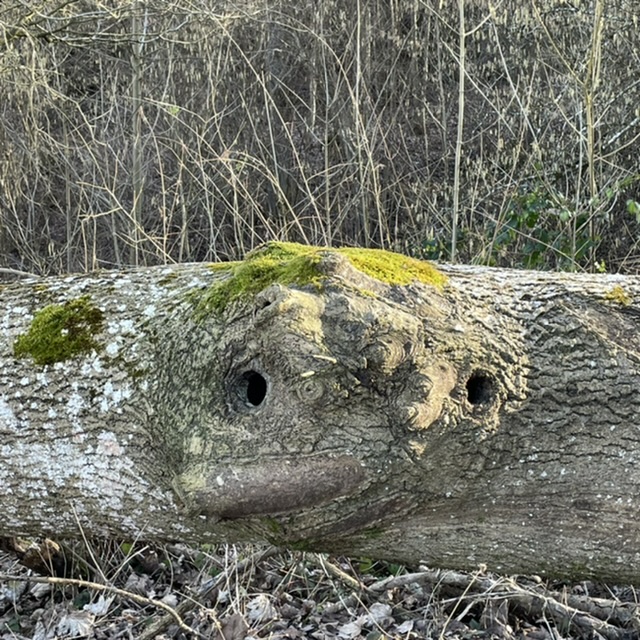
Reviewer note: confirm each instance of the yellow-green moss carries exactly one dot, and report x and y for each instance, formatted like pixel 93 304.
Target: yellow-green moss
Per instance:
pixel 393 268
pixel 619 295
pixel 222 266
pixel 61 331
pixel 277 262
pixel 288 263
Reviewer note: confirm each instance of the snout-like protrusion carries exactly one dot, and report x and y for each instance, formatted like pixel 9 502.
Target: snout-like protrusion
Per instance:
pixel 277 486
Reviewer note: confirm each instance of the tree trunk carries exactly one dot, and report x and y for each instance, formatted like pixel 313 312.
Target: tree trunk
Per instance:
pixel 472 416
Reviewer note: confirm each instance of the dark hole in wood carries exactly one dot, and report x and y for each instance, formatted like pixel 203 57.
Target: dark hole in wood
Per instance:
pixel 254 388
pixel 479 388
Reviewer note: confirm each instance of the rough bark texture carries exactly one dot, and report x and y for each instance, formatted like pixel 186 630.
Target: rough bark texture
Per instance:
pixel 490 420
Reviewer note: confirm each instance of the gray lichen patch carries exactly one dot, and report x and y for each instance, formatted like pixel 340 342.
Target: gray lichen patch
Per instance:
pixel 59 332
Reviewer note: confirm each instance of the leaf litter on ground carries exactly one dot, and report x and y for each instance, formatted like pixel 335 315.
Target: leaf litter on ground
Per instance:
pixel 247 592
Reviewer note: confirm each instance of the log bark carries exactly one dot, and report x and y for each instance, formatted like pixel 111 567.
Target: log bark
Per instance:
pixel 490 419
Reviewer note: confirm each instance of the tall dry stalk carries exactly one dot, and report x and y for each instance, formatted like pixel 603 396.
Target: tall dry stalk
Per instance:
pixel 590 86
pixel 462 47
pixel 138 27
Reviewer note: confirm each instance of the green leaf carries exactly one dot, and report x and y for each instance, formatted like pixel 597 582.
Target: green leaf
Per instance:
pixel 633 207
pixel 565 215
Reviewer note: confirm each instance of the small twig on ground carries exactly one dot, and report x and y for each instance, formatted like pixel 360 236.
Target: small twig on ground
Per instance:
pixel 351 582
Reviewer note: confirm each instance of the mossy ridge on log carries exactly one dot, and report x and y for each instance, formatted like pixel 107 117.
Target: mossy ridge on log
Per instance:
pixel 288 263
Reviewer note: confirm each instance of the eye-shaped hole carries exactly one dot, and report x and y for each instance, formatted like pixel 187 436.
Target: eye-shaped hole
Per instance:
pixel 263 303
pixel 252 388
pixel 480 388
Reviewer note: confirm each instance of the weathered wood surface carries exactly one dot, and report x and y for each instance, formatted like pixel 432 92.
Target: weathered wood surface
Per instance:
pixel 494 420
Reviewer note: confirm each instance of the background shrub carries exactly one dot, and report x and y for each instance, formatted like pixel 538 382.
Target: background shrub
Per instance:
pixel 187 130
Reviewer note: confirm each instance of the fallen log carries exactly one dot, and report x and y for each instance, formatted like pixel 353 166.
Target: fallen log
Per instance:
pixel 350 401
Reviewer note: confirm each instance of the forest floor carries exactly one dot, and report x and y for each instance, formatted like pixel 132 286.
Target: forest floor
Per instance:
pixel 137 592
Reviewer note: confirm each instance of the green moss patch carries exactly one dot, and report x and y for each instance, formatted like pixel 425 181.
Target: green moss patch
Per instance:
pixel 61 331
pixel 277 262
pixel 223 266
pixel 394 268
pixel 288 263
pixel 300 545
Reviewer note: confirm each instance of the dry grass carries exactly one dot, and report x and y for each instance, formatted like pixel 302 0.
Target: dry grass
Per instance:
pixel 182 130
